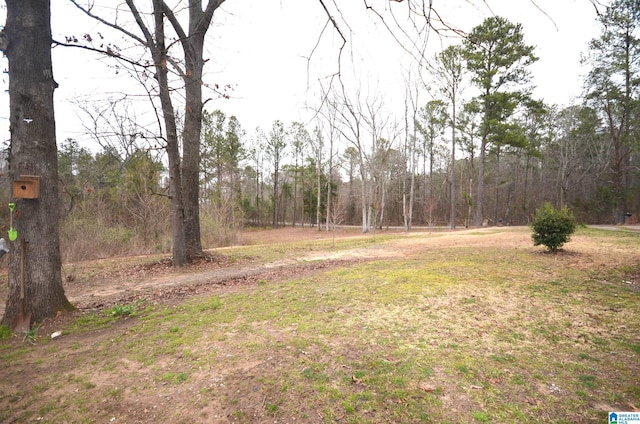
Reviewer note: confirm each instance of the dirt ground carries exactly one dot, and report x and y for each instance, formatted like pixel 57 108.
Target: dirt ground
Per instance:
pixel 112 284
pixel 158 282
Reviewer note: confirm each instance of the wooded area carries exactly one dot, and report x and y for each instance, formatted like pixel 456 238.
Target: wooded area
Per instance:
pixel 486 156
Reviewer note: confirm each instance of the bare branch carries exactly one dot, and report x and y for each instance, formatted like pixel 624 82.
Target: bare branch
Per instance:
pixel 149 43
pixel 338 30
pixel 182 35
pixel 545 14
pixel 107 23
pixel 107 52
pixel 597 3
pixel 143 27
pixel 207 16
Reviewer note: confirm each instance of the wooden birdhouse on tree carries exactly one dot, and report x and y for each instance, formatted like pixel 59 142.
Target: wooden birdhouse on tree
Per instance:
pixel 26 187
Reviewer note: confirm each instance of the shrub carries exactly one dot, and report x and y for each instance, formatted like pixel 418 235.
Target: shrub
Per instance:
pixel 122 310
pixel 552 227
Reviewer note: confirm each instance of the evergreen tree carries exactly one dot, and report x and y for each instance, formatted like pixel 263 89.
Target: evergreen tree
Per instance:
pixel 498 60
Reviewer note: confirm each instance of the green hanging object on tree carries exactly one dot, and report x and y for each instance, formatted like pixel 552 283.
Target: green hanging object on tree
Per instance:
pixel 13 234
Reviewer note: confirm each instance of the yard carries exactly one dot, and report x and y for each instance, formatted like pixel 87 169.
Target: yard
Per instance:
pixel 297 326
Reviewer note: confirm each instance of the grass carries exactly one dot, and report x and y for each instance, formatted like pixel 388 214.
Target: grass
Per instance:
pixel 277 251
pixel 454 334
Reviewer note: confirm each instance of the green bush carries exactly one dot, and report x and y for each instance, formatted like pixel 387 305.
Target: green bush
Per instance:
pixel 552 227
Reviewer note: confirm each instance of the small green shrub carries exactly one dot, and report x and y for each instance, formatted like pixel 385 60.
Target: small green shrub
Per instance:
pixel 122 310
pixel 552 227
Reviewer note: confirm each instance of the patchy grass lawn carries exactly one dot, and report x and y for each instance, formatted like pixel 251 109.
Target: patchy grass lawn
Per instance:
pixel 450 328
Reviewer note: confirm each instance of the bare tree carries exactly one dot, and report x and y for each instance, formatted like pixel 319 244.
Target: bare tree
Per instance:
pixel 376 123
pixel 330 117
pixel 275 148
pixel 300 140
pixel 183 170
pixel 318 150
pixel 115 127
pixel 448 72
pixel 410 152
pixel 577 151
pixel 333 138
pixel 352 129
pixel 431 123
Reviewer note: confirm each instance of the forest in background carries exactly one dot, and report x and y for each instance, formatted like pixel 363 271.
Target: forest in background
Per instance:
pixel 478 150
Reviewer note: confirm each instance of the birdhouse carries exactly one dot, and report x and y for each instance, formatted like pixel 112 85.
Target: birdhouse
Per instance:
pixel 26 187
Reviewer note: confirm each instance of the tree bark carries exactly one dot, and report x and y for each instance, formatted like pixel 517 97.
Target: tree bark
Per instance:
pixel 329 183
pixel 452 214
pixel 173 155
pixel 319 188
pixel 480 190
pixel 33 151
pixel 193 47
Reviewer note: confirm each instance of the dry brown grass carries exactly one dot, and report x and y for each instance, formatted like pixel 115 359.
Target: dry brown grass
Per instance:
pixel 471 326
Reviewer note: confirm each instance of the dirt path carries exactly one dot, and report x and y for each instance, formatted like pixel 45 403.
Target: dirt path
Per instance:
pixel 221 276
pixel 160 281
pixel 214 276
pixel 114 283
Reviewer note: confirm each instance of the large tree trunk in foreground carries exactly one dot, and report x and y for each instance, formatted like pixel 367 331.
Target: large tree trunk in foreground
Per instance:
pixel 173 151
pixel 27 44
pixel 193 48
pixel 194 61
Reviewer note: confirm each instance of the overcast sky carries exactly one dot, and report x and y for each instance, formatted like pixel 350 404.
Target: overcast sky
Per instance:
pixel 262 49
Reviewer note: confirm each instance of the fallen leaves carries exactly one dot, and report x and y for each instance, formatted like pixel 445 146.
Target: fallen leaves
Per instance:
pixel 428 388
pixel 533 401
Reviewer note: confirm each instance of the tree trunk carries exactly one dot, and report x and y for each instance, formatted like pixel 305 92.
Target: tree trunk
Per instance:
pixel 525 194
pixel 329 174
pixel 318 192
pixel 177 207
pixel 295 193
pixel 496 202
pixel 175 188
pixel 276 203
pixel 480 193
pixel 383 202
pixel 366 204
pixel 452 215
pixel 431 201
pixel 193 47
pixel 302 195
pixel 33 151
pixel 412 188
pixel 191 167
pixel 156 45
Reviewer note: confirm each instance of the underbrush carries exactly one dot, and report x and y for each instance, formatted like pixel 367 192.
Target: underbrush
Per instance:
pixel 93 235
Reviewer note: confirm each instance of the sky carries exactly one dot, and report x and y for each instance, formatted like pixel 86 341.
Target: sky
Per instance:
pixel 263 49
